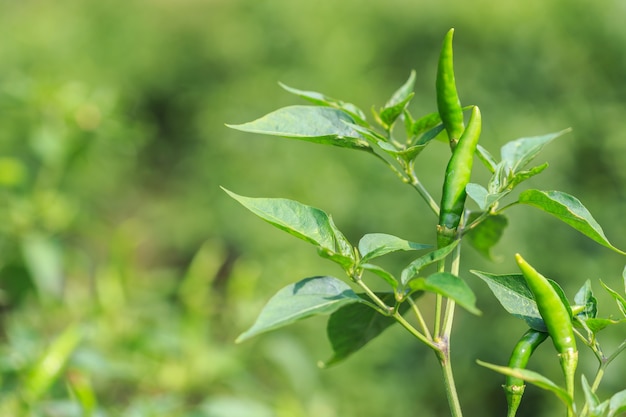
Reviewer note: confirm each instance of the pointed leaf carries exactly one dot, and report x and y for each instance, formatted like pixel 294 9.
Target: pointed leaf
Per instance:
pixel 518 153
pixel 323 100
pixel 306 298
pixel 486 158
pixel 387 276
pixel 425 123
pixel 388 115
pixel 597 324
pixel 617 403
pixel 522 176
pixel 449 286
pixel 420 263
pixel 374 245
pixel 591 399
pixel 487 234
pixel 513 293
pixel 322 125
pixel 621 301
pixel 568 209
pixel 585 298
pixel 305 222
pixel 353 326
pixel 482 197
pixel 534 378
pixel 402 93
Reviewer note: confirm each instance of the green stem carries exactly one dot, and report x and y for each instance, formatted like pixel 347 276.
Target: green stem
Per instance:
pixel 443 354
pixel 419 187
pixel 420 318
pixel 404 323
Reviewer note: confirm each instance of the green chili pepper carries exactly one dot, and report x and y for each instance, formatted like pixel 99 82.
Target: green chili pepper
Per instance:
pixel 448 103
pixel 458 173
pixel 556 317
pixel 522 352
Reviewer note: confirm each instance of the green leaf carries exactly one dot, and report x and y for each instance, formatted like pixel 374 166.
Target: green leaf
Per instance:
pixel 617 403
pixel 303 299
pixel 535 379
pixel 487 234
pixel 621 301
pixel 596 408
pixel 420 263
pixel 49 366
pixel 518 153
pixel 482 197
pixel 449 286
pixel 522 176
pixel 388 277
pixel 517 299
pixel 323 100
pixel 353 326
pixel 374 245
pixel 305 222
pixel 323 125
pixel 486 158
pixel 389 115
pixel 514 295
pixel 425 123
pixel 568 209
pixel 597 324
pixel 585 298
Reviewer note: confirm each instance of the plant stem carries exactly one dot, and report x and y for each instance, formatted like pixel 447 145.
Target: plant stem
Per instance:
pixel 443 354
pixel 420 318
pixel 419 187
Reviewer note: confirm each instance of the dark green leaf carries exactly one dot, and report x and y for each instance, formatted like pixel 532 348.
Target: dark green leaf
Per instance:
pixel 487 234
pixel 518 153
pixel 449 286
pixel 425 123
pixel 353 326
pixel 306 298
pixel 388 115
pixel 417 265
pixel 374 245
pixel 568 209
pixel 617 404
pixel 323 100
pixel 513 293
pixel 534 378
pixel 322 125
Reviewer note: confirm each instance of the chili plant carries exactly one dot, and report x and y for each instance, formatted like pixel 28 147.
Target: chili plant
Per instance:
pixel 396 138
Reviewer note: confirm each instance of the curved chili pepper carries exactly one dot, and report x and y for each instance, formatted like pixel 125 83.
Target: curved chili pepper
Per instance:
pixel 556 317
pixel 522 352
pixel 448 103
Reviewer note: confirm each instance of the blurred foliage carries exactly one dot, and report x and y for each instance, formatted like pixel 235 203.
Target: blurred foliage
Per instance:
pixel 126 273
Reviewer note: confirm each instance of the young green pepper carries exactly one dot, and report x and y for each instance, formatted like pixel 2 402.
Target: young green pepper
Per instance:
pixel 458 173
pixel 556 317
pixel 522 352
pixel 448 103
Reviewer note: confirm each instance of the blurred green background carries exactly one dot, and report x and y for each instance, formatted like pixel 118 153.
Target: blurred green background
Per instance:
pixel 120 254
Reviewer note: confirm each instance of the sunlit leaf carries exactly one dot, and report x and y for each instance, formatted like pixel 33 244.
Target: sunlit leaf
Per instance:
pixel 374 245
pixel 617 403
pixel 323 125
pixel 387 276
pixel 305 222
pixel 518 153
pixel 417 265
pixel 449 286
pixel 324 100
pixel 303 299
pixel 568 209
pixel 514 295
